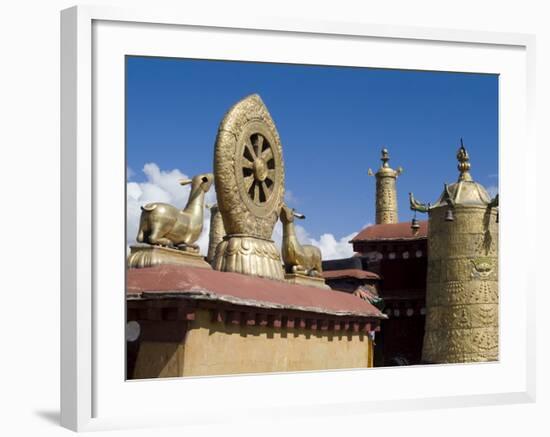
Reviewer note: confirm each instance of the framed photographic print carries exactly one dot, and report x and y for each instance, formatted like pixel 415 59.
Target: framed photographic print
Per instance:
pixel 221 233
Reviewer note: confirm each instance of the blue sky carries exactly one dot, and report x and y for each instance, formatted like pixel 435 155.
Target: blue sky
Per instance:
pixel 333 121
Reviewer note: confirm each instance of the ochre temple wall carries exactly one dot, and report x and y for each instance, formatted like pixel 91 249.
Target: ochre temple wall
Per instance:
pixel 218 349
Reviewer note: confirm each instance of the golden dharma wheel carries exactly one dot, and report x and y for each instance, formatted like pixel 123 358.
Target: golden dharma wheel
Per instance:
pixel 249 169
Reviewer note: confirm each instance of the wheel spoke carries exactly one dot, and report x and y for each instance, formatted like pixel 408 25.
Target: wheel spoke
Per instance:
pixel 267 154
pixel 266 189
pixel 250 150
pixel 271 175
pixel 256 193
pixel 248 181
pixel 248 164
pixel 259 144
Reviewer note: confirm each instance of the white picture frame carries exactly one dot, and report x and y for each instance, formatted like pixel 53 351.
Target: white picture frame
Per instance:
pixel 93 39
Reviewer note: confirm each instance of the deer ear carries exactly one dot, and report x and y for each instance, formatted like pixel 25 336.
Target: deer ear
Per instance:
pixel 185 181
pixel 298 215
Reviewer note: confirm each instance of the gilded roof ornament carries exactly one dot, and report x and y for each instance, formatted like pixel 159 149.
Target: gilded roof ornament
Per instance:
pixel 169 233
pixel 385 158
pixel 463 192
pixel 385 169
pixel 463 163
pixel 462 280
pixel 386 194
pixel 250 187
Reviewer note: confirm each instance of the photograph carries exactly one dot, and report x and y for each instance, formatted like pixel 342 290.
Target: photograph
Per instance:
pixel 294 217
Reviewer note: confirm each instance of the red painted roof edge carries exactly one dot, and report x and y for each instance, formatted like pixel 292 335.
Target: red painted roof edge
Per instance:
pixel 210 285
pixel 391 232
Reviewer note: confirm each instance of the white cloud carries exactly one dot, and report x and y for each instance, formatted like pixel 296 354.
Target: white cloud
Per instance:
pixel 163 186
pixel 331 247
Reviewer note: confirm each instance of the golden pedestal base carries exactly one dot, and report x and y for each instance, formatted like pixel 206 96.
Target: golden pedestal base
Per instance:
pixel 250 256
pixel 310 281
pixel 149 256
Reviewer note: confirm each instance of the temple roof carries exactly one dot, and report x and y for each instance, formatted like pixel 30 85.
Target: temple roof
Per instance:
pixel 171 281
pixel 391 231
pixel 464 192
pixel 350 273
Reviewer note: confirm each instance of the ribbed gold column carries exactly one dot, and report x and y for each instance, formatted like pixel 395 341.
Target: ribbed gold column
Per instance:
pixel 462 287
pixel 386 194
pixel 462 283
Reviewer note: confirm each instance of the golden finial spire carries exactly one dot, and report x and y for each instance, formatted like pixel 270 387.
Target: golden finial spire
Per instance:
pixel 385 158
pixel 463 163
pixel 386 196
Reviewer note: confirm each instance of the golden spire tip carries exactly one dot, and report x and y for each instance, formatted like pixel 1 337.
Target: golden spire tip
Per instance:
pixel 463 162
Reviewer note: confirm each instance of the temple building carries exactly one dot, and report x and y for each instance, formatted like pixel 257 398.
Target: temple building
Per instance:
pixel 348 275
pixel 436 279
pixel 399 257
pixel 419 292
pixel 246 306
pixel 388 270
pixel 198 321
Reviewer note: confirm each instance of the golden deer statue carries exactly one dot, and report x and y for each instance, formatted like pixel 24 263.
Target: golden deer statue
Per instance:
pixel 162 224
pixel 304 259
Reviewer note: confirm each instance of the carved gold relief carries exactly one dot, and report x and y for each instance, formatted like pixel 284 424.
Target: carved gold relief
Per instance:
pixel 472 292
pixel 462 284
pixel 457 269
pixel 486 243
pixel 455 346
pixel 248 255
pixel 386 199
pixel 482 268
pixel 249 170
pixel 462 316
